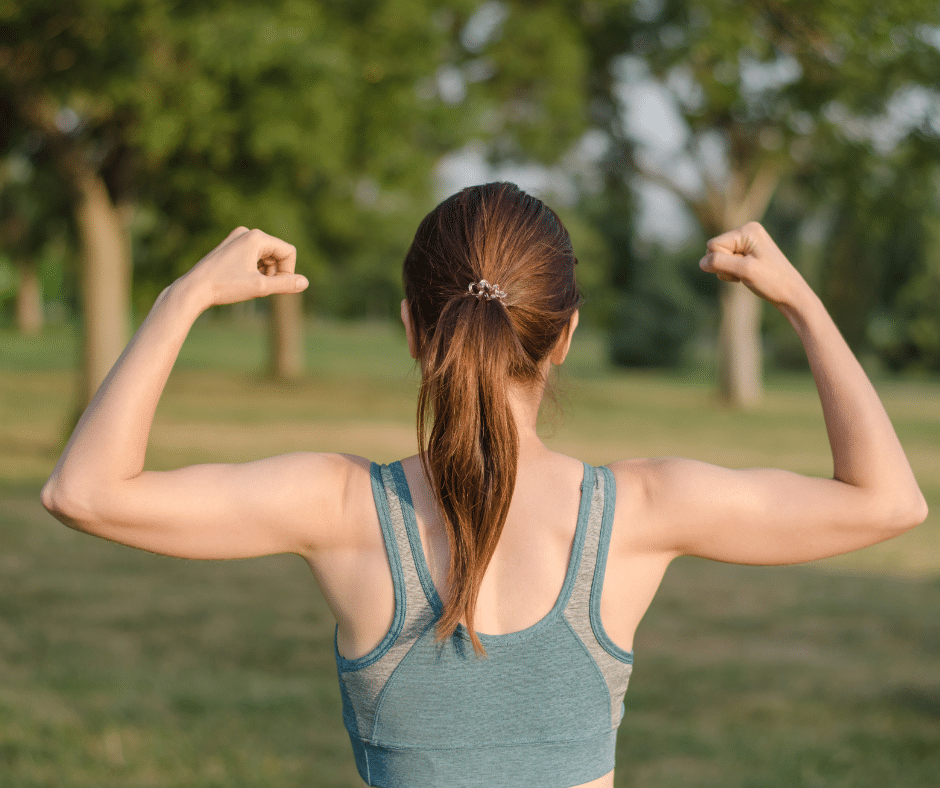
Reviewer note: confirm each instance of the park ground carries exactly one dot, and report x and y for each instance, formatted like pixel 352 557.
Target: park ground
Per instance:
pixel 119 668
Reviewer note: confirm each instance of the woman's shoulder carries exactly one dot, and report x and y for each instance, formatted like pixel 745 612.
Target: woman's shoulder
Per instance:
pixel 637 477
pixel 636 515
pixel 632 474
pixel 337 490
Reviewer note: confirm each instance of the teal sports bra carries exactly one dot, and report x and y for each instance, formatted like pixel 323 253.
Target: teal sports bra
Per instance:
pixel 542 709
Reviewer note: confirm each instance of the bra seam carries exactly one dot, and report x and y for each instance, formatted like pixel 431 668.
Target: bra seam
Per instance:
pixel 496 745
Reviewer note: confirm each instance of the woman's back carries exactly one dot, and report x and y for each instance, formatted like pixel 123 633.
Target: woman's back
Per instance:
pixel 543 706
pixel 525 574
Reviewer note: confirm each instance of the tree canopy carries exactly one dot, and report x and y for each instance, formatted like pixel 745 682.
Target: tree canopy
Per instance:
pixel 163 124
pixel 826 99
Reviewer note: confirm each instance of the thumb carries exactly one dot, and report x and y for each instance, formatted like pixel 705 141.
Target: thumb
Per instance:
pixel 285 283
pixel 728 267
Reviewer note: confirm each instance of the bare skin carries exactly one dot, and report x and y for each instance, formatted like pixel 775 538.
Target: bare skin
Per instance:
pixel 320 505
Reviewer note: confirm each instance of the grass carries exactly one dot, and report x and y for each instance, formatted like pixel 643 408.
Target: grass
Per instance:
pixel 118 668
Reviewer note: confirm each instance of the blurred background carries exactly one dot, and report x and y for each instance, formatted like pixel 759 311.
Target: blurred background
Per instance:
pixel 134 134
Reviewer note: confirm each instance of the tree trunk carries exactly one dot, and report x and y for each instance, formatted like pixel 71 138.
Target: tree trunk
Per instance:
pixel 105 280
pixel 740 353
pixel 286 337
pixel 740 356
pixel 29 316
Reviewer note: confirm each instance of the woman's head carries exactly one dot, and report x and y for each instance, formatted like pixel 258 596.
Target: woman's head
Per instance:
pixel 500 234
pixel 472 348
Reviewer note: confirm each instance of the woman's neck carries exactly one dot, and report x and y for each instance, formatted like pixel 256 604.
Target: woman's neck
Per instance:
pixel 525 401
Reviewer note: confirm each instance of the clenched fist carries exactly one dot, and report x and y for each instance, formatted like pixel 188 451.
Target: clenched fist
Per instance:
pixel 750 256
pixel 247 264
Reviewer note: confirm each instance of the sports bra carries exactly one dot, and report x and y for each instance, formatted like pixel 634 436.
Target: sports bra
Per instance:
pixel 542 708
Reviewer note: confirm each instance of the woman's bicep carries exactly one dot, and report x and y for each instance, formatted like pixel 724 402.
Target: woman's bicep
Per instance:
pixel 275 505
pixel 760 515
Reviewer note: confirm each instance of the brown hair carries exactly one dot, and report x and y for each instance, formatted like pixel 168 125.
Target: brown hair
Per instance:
pixel 469 347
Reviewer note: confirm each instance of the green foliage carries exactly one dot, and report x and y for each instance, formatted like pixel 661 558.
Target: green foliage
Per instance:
pixel 323 122
pixel 831 101
pixel 34 224
pixel 874 258
pixel 535 101
pixel 302 119
pixel 662 311
pixel 320 122
pixel 906 334
pixel 785 71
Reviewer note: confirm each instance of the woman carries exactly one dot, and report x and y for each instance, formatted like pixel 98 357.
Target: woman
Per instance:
pixel 488 530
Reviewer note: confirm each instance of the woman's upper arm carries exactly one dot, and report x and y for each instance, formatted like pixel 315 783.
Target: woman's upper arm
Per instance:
pixel 754 516
pixel 290 503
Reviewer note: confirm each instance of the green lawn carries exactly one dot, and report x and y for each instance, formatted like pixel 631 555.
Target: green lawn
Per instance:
pixel 118 668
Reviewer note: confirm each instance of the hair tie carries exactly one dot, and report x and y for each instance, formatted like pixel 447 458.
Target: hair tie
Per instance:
pixel 484 289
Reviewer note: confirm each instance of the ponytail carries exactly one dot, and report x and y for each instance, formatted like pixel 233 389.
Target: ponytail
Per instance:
pixel 471 348
pixel 473 446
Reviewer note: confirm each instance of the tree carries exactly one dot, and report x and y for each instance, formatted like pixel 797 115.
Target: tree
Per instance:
pixel 29 225
pixel 67 77
pixel 765 90
pixel 321 122
pixel 881 262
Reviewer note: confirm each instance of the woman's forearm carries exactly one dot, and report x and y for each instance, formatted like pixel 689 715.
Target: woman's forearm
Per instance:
pixel 866 452
pixel 109 443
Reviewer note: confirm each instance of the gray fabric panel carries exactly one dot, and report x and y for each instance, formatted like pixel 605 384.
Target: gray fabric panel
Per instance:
pixel 414 592
pixel 365 685
pixel 578 611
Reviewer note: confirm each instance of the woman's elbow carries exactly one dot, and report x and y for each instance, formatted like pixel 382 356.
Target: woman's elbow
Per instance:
pixel 65 503
pixel 907 514
pixel 920 510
